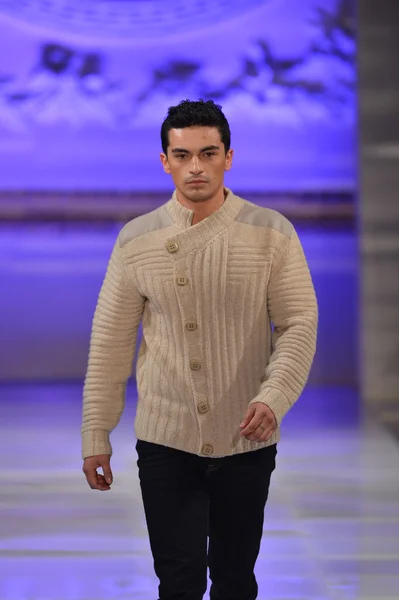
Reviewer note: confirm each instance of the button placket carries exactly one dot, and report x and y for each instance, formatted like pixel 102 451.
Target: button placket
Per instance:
pixel 191 334
pixel 191 337
pixel 191 327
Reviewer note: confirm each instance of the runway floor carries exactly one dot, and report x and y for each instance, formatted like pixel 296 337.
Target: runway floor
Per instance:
pixel 332 521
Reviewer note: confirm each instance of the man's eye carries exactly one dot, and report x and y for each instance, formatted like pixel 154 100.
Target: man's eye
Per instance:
pixel 181 155
pixel 210 154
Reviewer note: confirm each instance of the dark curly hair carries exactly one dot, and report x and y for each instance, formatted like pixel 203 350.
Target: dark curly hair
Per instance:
pixel 195 113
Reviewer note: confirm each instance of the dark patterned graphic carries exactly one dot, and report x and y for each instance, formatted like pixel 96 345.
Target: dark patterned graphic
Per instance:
pixel 319 81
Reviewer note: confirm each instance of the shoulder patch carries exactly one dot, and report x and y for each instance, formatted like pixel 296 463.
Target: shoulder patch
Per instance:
pixel 152 221
pixel 251 214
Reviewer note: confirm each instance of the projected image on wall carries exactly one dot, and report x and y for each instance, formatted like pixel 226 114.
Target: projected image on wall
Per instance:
pixel 84 88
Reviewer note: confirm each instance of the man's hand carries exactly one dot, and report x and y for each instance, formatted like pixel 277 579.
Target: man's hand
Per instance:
pixel 259 423
pixel 95 480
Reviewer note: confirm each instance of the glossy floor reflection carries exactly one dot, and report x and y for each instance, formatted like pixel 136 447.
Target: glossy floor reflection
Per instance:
pixel 331 528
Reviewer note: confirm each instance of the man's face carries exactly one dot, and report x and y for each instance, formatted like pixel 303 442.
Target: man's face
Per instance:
pixel 196 159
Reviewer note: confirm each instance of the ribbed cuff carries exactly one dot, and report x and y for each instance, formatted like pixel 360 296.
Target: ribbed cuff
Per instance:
pixel 95 442
pixel 275 400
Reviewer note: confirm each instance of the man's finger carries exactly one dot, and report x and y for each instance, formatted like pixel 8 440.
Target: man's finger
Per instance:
pixel 107 472
pixel 263 436
pixel 248 416
pixel 252 425
pixel 256 435
pixel 91 476
pixel 266 434
pixel 102 484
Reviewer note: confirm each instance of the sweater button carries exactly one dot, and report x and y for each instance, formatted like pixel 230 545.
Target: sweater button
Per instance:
pixel 207 449
pixel 181 280
pixel 203 407
pixel 172 247
pixel 191 326
pixel 195 364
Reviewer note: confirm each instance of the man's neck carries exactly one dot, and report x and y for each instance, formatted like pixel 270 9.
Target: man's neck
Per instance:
pixel 202 210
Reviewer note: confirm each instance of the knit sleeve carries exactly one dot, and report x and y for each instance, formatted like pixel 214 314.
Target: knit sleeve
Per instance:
pixel 293 312
pixel 112 346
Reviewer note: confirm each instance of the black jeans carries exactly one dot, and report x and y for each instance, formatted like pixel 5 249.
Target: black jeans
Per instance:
pixel 188 498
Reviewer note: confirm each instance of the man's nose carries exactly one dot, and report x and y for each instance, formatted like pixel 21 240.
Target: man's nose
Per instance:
pixel 196 166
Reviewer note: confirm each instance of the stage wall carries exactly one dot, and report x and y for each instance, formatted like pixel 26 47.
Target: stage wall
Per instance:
pixel 84 87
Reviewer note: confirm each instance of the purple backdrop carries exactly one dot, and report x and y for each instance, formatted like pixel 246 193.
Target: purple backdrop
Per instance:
pixel 84 87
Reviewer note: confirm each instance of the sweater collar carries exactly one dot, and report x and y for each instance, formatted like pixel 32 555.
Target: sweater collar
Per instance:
pixel 193 237
pixel 222 217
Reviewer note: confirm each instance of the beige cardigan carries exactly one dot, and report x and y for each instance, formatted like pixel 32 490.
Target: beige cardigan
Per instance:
pixel 229 317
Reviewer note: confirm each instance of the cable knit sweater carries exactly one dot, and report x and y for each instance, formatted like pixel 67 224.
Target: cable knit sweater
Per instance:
pixel 229 317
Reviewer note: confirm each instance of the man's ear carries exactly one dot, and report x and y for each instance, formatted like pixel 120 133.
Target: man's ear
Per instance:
pixel 165 163
pixel 229 160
